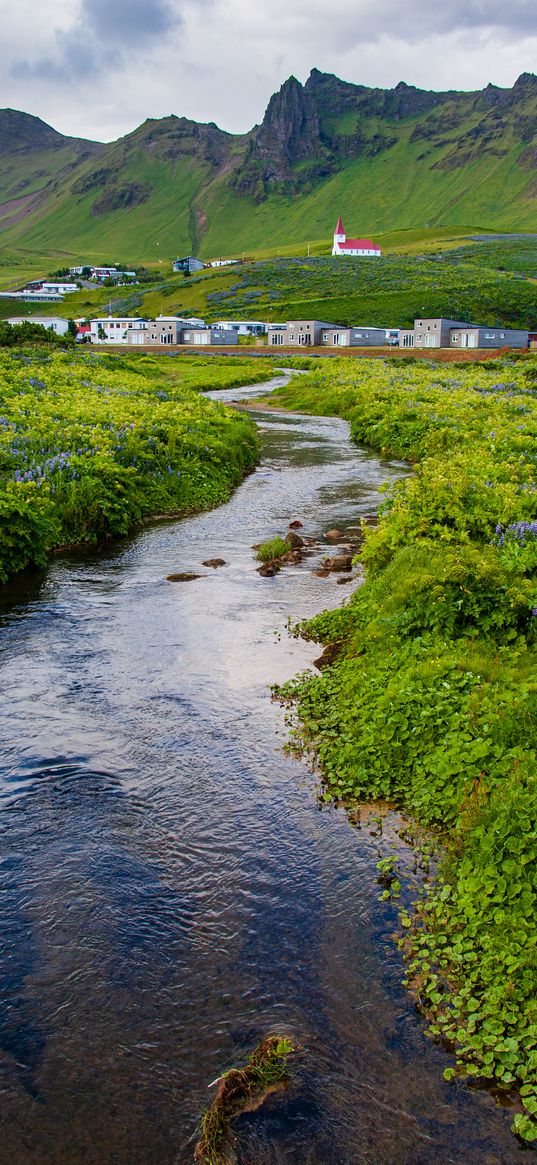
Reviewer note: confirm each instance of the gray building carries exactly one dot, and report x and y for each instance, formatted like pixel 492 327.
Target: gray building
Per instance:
pixel 482 337
pixel 208 337
pixel 435 333
pixel 443 333
pixel 188 265
pixel 365 337
pixel 299 333
pixel 166 331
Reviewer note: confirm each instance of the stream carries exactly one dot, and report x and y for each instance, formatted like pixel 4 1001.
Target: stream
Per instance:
pixel 171 891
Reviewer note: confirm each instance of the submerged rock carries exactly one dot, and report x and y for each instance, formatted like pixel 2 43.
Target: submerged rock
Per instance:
pixel 214 562
pixel 339 562
pixel 268 570
pixel 335 536
pixel 184 576
pixel 294 540
pixel 296 525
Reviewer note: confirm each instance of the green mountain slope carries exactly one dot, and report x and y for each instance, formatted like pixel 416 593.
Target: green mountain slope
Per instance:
pixel 385 159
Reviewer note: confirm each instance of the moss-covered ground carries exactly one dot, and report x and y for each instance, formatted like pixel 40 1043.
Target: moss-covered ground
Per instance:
pixel 431 702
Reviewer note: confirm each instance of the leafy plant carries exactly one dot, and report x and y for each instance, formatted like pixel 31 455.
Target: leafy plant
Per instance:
pixel 431 701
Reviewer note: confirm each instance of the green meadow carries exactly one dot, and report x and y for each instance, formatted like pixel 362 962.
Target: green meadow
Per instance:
pixel 431 702
pixel 454 273
pixel 92 443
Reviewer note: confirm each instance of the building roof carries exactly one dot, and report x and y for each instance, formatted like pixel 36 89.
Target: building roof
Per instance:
pixel 359 244
pixel 340 229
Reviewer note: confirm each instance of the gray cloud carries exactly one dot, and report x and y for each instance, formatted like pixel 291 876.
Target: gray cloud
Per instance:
pixel 412 23
pixel 99 67
pixel 102 37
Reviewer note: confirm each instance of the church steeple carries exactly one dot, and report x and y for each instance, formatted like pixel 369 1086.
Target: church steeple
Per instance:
pixel 339 237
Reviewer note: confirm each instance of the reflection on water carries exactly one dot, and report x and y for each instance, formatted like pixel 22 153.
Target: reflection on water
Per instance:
pixel 170 890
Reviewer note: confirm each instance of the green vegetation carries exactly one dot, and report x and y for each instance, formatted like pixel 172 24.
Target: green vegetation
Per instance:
pixel 265 1070
pixel 387 159
pixel 13 335
pixel 431 701
pixel 272 550
pixel 492 281
pixel 392 291
pixel 92 443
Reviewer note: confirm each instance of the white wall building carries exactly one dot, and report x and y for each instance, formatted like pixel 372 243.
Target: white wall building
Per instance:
pixel 243 327
pixel 114 329
pixel 53 323
pixel 355 248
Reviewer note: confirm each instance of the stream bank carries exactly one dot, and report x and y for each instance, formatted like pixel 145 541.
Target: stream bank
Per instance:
pixel 172 890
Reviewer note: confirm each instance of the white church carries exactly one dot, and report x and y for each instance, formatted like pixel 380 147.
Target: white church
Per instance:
pixel 361 248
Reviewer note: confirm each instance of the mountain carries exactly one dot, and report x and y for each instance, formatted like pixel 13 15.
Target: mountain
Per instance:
pixel 387 159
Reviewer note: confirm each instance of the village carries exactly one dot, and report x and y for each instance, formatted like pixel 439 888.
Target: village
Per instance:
pixel 193 332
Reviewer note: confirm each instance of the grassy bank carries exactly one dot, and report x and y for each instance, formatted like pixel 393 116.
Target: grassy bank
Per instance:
pixel 432 700
pixel 92 443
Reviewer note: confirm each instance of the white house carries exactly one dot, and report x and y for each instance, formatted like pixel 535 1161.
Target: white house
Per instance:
pixel 356 248
pixel 114 329
pixel 53 323
pixel 38 285
pixel 243 327
pixel 32 296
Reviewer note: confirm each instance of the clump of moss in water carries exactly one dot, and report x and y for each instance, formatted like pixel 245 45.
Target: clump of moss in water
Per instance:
pixel 240 1090
pixel 272 550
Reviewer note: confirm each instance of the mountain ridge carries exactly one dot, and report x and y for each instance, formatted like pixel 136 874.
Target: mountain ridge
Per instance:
pixel 387 158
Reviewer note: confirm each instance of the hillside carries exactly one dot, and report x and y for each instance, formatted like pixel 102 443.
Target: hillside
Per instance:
pixel 490 279
pixel 387 159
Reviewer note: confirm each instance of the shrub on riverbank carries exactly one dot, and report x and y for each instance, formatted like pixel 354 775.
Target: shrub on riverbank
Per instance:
pixel 91 444
pixel 432 700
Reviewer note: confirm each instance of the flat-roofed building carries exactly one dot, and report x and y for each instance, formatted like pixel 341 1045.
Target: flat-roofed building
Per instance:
pixel 483 337
pixel 435 332
pixel 243 327
pixel 114 329
pixel 364 337
pixel 300 333
pixel 165 330
pixel 208 337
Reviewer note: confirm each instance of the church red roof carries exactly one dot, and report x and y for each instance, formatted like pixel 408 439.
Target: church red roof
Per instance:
pixel 359 244
pixel 340 229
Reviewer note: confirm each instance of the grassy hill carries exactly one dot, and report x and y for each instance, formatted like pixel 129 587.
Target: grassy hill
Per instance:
pixel 491 280
pixel 387 160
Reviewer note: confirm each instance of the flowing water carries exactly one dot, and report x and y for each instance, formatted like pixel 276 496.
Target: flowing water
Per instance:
pixel 171 891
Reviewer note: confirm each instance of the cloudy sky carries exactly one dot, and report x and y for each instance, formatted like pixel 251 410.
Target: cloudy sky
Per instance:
pixel 97 68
